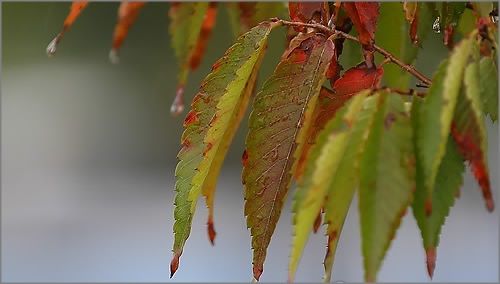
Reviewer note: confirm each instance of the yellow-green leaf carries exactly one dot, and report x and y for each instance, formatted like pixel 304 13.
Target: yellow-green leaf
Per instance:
pixel 438 109
pixel 275 122
pixel 216 111
pixel 489 87
pixel 387 180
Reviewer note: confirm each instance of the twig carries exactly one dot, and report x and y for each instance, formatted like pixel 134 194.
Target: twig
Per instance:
pixel 410 92
pixel 410 69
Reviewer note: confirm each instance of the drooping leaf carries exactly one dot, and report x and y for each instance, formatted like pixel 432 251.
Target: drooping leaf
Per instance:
pixel 489 87
pixel 469 132
pixel 322 165
pixel 306 12
pixel 275 122
pixel 216 111
pixel 387 180
pixel 185 29
pixel 205 34
pixel 437 112
pixel 364 15
pixel 450 14
pixel 127 13
pixel 75 10
pixel 448 181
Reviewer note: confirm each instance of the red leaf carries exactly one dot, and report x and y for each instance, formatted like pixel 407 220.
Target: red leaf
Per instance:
pixel 306 12
pixel 358 78
pixel 364 15
pixel 205 33
pixel 468 146
pixel 449 31
pixel 127 13
pixel 75 10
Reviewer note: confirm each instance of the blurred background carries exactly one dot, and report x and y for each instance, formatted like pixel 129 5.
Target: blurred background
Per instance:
pixel 88 157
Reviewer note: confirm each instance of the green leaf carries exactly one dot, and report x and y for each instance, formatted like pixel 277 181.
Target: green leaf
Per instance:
pixel 448 181
pixel 397 42
pixel 489 87
pixel 387 180
pixel 451 12
pixel 469 131
pixel 438 109
pixel 322 165
pixel 274 124
pixel 210 126
pixel 186 19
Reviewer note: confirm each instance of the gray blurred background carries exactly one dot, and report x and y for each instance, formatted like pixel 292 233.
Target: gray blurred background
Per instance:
pixel 89 152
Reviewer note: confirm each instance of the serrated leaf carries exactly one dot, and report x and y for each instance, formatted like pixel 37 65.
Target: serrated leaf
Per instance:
pixel 469 132
pixel 205 34
pixel 75 10
pixel 438 109
pixel 127 14
pixel 275 123
pixel 488 86
pixel 387 180
pixel 186 20
pixel 322 166
pixel 215 111
pixel 448 181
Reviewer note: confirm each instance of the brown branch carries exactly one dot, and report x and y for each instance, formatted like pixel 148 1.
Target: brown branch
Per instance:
pixel 408 68
pixel 409 92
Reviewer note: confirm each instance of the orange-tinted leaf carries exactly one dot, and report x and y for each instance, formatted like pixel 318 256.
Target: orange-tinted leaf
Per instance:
pixel 205 33
pixel 127 13
pixel 411 10
pixel 358 78
pixel 245 15
pixel 364 15
pixel 275 125
pixel 75 10
pixel 306 12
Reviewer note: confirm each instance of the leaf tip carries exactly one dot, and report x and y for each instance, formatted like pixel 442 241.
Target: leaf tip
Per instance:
pixel 257 272
pixel 174 264
pixel 211 230
pixel 114 58
pixel 317 223
pixel 431 261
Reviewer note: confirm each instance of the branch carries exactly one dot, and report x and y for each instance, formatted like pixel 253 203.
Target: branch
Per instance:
pixel 410 69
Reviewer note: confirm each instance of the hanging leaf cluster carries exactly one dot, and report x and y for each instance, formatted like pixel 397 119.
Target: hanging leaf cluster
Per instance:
pixel 332 132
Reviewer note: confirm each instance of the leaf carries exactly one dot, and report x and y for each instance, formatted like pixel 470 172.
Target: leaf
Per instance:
pixel 358 78
pixel 75 10
pixel 469 132
pixel 387 180
pixel 450 14
pixel 215 114
pixel 127 13
pixel 437 112
pixel 278 115
pixel 364 15
pixel 205 34
pixel 488 86
pixel 448 181
pixel 331 174
pixel 185 28
pixel 307 12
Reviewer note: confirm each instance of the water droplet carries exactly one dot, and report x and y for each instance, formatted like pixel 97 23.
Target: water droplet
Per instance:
pixel 178 105
pixel 52 47
pixel 494 19
pixel 257 45
pixel 113 56
pixel 436 26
